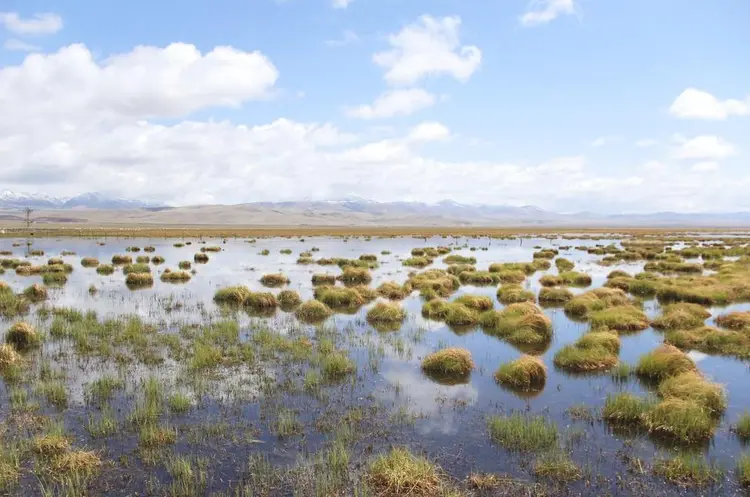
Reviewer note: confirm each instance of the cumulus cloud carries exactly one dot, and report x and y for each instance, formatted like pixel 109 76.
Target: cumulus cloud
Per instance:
pixel 428 47
pixel 544 11
pixel 704 147
pixel 38 24
pixel 394 103
pixel 698 104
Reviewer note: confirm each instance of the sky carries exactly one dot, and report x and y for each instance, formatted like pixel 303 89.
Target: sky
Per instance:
pixel 609 106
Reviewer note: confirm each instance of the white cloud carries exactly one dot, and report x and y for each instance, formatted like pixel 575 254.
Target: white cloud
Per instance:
pixel 340 4
pixel 38 24
pixel 705 166
pixel 394 103
pixel 697 104
pixel 429 131
pixel 347 38
pixel 16 45
pixel 70 86
pixel 705 147
pixel 605 140
pixel 646 142
pixel 545 11
pixel 429 47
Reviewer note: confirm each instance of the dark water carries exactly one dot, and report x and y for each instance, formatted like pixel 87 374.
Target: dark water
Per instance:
pixel 448 421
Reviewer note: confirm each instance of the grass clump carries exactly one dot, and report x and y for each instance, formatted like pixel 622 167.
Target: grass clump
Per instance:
pixel 437 281
pixel 522 323
pixel 386 313
pixel 521 433
pixel 595 351
pixel 339 298
pixel 355 276
pixel 274 280
pixel 142 259
pixel 681 316
pixel 476 302
pixel 323 279
pixel 456 269
pixel 313 311
pixel 737 321
pixel 692 386
pixel 510 276
pixel 624 318
pixel 450 363
pixel 261 301
pixel 574 278
pixel 118 259
pixel 400 472
pixel 288 299
pixel 526 374
pixel 664 362
pixel 626 409
pixel 157 259
pixel 459 259
pixel 681 420
pixel 513 294
pixel 557 466
pixel 136 268
pixel 563 265
pixel 139 280
pixel 479 278
pixel 22 336
pixel 36 293
pixel 105 269
pixel 89 262
pixel 688 470
pixel 200 258
pixel 549 280
pixel 170 276
pixel 418 261
pixel 234 295
pixel 54 279
pixel 8 357
pixel 554 296
pixel 393 291
pixel 598 299
pixel 185 265
pixel 711 341
pixel 336 365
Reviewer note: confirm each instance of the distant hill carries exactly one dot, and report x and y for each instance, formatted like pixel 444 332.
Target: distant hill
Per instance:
pixel 94 208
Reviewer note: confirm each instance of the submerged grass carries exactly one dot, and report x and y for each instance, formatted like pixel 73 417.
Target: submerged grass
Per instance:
pixel 522 433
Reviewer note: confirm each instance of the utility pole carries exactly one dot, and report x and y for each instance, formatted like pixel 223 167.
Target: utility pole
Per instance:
pixel 28 212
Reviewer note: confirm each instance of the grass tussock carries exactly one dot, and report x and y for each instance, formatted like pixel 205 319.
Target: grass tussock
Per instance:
pixel 598 299
pixel 516 276
pixel 139 280
pixel 340 297
pixel 626 409
pixel 435 281
pixel 450 313
pixel 136 268
pixel 260 301
pixel 234 295
pixel 554 296
pixel 573 278
pixel 521 433
pixel 393 291
pixel 313 311
pixel 595 351
pixel 549 280
pixel 681 316
pixel 513 294
pixel 157 259
pixel 288 299
pixel 737 321
pixel 711 341
pixel 54 279
pixel 274 280
pixel 562 264
pixel 36 293
pixel 456 269
pixel 169 276
pixel 22 336
pixel 624 318
pixel 417 261
pixel 688 470
pixel 557 466
pixel 105 269
pixel 8 356
pixel 386 313
pixel 479 278
pixel 693 387
pixel 355 276
pixel 664 362
pixel 476 302
pixel 118 259
pixel 526 374
pixel 323 279
pixel 459 259
pixel 401 473
pixel 680 420
pixel 89 262
pixel 200 258
pixel 523 323
pixel 449 363
pixel 185 265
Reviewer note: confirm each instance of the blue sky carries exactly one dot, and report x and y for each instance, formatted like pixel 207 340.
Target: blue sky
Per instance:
pixel 610 105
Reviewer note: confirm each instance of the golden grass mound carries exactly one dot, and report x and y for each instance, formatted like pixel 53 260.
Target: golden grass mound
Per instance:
pixel 200 258
pixel 137 280
pixel 355 276
pixel 313 311
pixel 513 294
pixel 595 351
pixel 105 269
pixel 737 321
pixel 476 302
pixel 624 318
pixel 339 298
pixel 323 279
pixel 393 291
pixel 8 356
pixel 526 374
pixel 170 276
pixel 77 461
pixel 121 259
pixel 401 473
pixel 693 387
pixel 288 299
pixel 435 280
pixel 449 362
pixel 50 445
pixel 681 420
pixel 36 293
pixel 274 280
pixel 550 280
pixel 261 300
pixel 89 262
pixel 596 300
pixel 663 362
pixel 235 295
pixel 681 316
pixel 711 341
pixel 22 336
pixel 386 313
pixel 522 323
pixel 554 296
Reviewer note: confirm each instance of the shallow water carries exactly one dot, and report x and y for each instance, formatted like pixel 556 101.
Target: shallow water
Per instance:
pixel 447 422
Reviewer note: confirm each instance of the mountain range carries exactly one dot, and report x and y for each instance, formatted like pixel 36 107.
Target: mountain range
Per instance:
pixel 100 209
